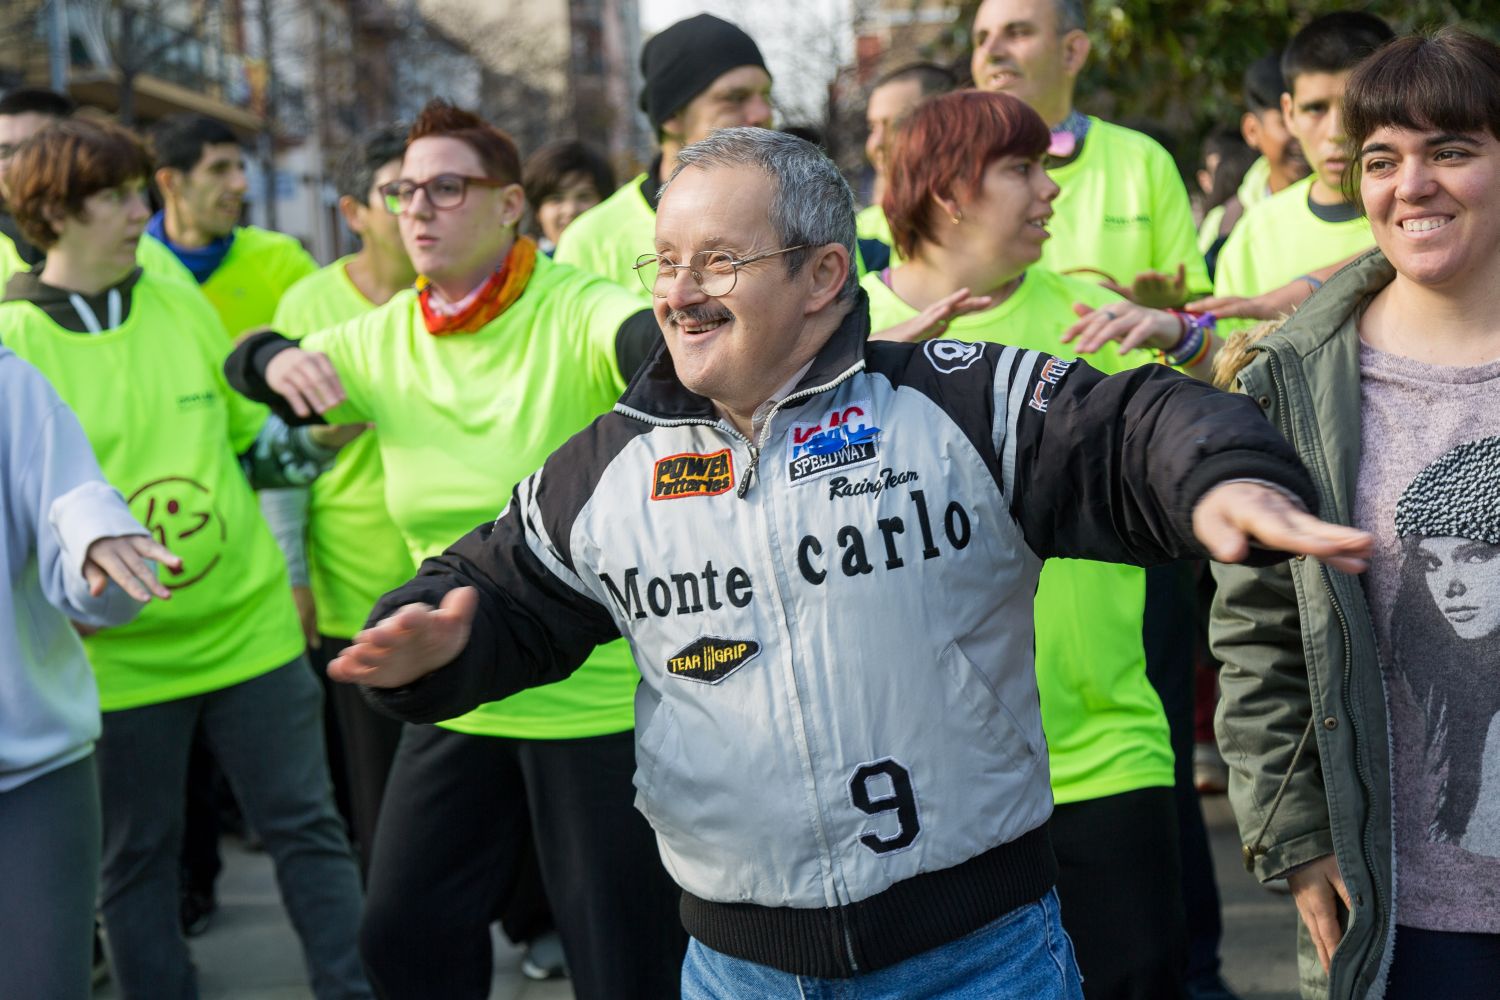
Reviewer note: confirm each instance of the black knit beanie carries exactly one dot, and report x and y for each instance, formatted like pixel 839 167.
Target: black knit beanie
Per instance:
pixel 679 63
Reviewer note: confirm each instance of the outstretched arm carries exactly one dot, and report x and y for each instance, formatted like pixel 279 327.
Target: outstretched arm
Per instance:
pixel 1138 467
pixel 499 612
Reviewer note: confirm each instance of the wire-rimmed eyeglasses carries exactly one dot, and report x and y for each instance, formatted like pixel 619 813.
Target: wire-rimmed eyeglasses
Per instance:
pixel 715 271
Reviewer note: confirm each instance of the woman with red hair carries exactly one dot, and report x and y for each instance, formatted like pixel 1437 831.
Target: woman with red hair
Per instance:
pixel 968 203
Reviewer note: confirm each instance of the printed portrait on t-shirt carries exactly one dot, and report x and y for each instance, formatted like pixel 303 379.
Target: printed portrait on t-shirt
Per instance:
pixel 1445 637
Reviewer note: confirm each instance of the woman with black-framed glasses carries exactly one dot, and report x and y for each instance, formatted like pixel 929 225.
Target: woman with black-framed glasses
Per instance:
pixel 472 378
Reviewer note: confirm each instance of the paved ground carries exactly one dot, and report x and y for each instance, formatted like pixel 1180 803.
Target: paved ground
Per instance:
pixel 250 952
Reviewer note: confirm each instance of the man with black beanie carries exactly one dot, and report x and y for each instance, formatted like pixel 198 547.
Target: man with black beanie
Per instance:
pixel 700 74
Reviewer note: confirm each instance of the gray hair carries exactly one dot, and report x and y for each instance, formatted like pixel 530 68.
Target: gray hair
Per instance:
pixel 812 204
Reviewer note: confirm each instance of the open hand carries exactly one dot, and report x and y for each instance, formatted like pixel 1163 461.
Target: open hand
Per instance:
pixel 1317 888
pixel 306 380
pixel 1130 324
pixel 933 321
pixel 123 560
pixel 1229 517
pixel 410 644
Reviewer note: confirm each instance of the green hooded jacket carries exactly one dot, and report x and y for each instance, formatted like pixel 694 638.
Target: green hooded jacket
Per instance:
pixel 1301 666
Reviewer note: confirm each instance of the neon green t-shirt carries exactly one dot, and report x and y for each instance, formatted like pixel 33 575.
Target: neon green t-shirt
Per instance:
pixel 870 224
pixel 258 269
pixel 355 553
pixel 1282 239
pixel 461 419
pixel 10 260
pixel 608 238
pixel 1256 185
pixel 167 430
pixel 1106 730
pixel 1122 210
pixel 154 255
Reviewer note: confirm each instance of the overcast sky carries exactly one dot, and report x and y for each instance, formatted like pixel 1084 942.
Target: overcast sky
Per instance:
pixel 804 42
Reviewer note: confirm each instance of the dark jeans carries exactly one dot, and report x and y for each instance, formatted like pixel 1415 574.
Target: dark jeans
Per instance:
pixel 1170 638
pixel 1119 884
pixel 452 843
pixel 1453 966
pixel 49 874
pixel 267 735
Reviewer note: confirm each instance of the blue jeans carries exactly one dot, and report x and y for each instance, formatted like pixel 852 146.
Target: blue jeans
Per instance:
pixel 1025 955
pixel 267 735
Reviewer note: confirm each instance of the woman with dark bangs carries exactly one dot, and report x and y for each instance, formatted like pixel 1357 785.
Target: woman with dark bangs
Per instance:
pixel 1360 716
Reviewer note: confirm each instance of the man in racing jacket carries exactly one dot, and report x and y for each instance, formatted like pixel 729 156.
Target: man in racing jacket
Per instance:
pixel 823 552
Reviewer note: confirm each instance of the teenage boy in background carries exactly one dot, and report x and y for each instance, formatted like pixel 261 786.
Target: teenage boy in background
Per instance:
pixel 1311 223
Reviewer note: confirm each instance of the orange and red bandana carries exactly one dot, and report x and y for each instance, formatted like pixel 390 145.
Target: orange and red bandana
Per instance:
pixel 480 307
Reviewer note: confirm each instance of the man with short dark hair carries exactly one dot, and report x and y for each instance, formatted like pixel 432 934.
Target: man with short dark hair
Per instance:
pixel 824 552
pixel 891 99
pixel 1123 212
pixel 701 74
pixel 23 113
pixel 200 173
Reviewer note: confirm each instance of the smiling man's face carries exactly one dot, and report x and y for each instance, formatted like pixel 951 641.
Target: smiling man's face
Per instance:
pixel 1019 50
pixel 738 348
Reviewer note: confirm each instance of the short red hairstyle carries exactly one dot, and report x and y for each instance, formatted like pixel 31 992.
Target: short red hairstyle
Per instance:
pixel 66 163
pixel 497 150
pixel 944 147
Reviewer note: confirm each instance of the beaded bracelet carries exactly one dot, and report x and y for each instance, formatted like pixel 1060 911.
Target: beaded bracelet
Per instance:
pixel 1192 347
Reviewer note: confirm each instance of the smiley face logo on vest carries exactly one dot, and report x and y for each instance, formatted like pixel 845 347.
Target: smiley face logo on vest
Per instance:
pixel 180 514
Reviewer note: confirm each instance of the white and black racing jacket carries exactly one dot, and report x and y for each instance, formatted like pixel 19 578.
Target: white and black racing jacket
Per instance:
pixel 838 740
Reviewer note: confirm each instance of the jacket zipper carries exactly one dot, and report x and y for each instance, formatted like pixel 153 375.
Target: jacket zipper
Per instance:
pixel 1347 634
pixel 755 448
pixel 765 426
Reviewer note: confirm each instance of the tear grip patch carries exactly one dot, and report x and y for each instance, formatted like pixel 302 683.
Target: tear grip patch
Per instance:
pixel 711 659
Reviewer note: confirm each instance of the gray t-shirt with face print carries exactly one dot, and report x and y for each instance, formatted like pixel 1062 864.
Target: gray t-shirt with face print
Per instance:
pixel 1429 490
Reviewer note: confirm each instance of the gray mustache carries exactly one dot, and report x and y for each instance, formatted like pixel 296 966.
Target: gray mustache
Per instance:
pixel 698 314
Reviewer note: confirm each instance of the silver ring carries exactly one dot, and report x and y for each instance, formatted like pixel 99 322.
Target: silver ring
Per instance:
pixel 1110 314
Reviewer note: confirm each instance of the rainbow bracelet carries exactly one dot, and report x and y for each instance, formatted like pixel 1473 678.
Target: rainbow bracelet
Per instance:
pixel 1193 347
